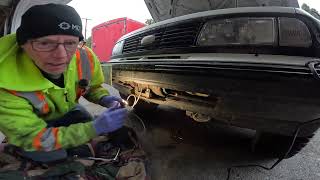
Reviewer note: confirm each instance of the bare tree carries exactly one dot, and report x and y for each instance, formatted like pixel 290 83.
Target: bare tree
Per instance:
pixel 88 41
pixel 312 11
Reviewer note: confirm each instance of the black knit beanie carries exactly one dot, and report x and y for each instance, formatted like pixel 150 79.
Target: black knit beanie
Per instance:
pixel 49 19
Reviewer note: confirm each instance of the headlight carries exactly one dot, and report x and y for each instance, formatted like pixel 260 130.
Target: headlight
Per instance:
pixel 294 32
pixel 238 31
pixel 117 49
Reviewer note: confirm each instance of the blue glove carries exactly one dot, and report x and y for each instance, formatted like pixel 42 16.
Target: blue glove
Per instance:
pixel 111 101
pixel 110 120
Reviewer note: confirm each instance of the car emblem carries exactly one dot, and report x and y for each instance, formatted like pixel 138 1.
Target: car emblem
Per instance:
pixel 148 40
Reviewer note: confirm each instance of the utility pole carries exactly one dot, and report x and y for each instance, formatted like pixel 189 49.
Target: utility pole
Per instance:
pixel 85 29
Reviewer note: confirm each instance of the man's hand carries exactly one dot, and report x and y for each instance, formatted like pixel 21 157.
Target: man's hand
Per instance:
pixel 111 101
pixel 110 120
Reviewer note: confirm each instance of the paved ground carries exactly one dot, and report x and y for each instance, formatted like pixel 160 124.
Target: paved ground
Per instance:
pixel 180 148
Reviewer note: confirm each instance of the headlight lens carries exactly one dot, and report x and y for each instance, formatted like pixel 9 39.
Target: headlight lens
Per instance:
pixel 117 49
pixel 294 32
pixel 238 31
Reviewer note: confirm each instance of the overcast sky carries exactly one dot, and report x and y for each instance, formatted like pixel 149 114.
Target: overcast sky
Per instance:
pixel 100 11
pixel 312 3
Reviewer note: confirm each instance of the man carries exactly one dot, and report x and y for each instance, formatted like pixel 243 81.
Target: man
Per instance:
pixel 44 70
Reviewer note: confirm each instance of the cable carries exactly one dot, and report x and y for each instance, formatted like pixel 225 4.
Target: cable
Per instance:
pixel 281 158
pixel 144 126
pixel 136 100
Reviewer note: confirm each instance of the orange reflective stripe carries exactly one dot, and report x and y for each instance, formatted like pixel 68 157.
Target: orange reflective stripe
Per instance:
pixel 37 99
pixel 55 134
pixel 90 60
pixel 41 97
pixel 79 64
pixel 13 92
pixel 45 108
pixel 37 140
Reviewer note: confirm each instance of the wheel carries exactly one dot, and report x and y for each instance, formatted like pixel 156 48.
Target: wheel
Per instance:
pixel 275 146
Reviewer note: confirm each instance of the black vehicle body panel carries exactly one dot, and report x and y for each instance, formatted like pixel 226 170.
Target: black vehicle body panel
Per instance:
pixel 267 88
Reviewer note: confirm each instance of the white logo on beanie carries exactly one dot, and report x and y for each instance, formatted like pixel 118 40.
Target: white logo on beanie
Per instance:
pixel 65 26
pixel 76 27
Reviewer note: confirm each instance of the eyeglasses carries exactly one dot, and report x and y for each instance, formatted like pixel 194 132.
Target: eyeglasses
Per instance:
pixel 47 46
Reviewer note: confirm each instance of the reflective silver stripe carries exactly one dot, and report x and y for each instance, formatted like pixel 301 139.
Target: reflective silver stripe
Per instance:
pixel 37 104
pixel 85 64
pixel 48 140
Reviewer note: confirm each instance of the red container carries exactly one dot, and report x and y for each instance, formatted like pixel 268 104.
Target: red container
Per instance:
pixel 105 35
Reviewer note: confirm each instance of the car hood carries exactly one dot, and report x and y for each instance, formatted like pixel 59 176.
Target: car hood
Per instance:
pixel 164 9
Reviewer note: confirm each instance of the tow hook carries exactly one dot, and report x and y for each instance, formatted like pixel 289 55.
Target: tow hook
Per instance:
pixel 312 65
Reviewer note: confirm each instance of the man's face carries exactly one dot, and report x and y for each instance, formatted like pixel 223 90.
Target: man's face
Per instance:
pixel 52 54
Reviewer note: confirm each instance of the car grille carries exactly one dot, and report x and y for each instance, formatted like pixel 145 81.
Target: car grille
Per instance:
pixel 177 36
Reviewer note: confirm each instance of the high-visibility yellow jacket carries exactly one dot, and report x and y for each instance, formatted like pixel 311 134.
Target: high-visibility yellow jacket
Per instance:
pixel 18 121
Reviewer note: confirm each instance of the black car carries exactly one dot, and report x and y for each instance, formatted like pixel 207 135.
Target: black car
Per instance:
pixel 250 67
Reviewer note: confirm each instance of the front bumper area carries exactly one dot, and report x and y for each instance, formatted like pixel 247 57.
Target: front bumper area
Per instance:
pixel 256 96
